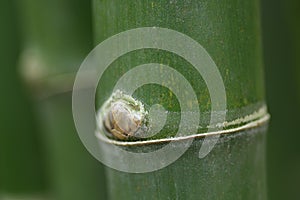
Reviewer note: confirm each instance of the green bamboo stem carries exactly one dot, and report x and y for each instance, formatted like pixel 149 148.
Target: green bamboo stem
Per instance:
pixel 73 173
pixel 21 167
pixel 223 30
pixel 230 32
pixel 292 16
pixel 57 36
pixel 282 45
pixel 235 169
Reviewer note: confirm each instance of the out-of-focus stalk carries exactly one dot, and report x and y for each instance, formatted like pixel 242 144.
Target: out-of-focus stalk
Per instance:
pixel 21 165
pixel 57 36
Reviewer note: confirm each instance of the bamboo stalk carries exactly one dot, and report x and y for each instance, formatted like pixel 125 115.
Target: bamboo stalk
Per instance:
pixel 230 33
pixel 281 42
pixel 292 16
pixel 21 167
pixel 57 36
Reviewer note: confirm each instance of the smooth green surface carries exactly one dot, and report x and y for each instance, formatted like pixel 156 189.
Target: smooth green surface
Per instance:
pixel 57 35
pixel 59 31
pixel 234 169
pixel 282 52
pixel 73 173
pixel 56 38
pixel 228 30
pixel 21 163
pixel 292 16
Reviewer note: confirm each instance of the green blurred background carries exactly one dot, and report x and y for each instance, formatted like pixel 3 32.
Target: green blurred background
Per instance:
pixel 24 160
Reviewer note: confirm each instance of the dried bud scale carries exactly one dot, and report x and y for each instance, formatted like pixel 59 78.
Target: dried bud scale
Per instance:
pixel 122 117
